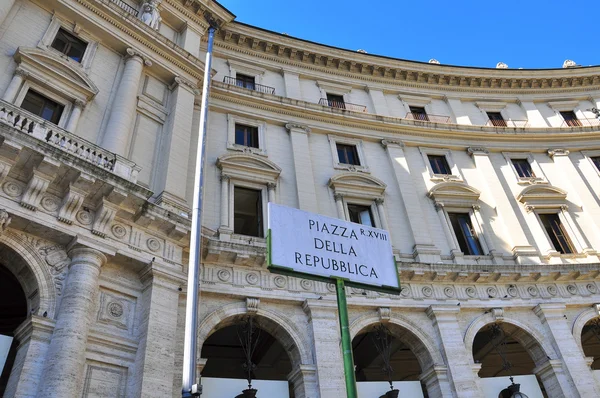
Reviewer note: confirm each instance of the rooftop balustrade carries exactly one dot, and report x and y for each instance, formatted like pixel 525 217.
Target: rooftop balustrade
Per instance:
pixel 129 9
pixel 249 85
pixel 342 105
pixel 42 130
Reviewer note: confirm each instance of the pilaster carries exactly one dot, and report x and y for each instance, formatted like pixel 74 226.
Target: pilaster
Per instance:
pixel 292 84
pixel 534 116
pixel 458 111
pixel 379 102
pixel 307 196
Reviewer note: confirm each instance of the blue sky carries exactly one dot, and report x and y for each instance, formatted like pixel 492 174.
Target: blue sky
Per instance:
pixel 520 33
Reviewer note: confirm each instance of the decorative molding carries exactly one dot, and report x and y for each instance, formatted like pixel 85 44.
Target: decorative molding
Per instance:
pixel 384 313
pixel 5 220
pixel 558 152
pixel 252 305
pixel 387 142
pixel 483 151
pixel 300 128
pixel 132 52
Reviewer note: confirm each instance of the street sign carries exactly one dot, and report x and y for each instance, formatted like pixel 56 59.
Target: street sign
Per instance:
pixel 325 248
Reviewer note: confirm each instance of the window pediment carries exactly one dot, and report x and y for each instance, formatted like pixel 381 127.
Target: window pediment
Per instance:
pixel 543 196
pixel 454 194
pixel 357 185
pixel 50 69
pixel 249 167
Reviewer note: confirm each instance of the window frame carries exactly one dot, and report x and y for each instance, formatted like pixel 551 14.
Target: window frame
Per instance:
pixel 354 151
pixel 264 198
pixel 540 177
pixel 71 39
pixel 46 99
pixel 66 103
pixel 255 71
pixel 476 230
pixel 367 204
pixel 567 232
pixel 357 143
pixel 73 28
pixel 589 155
pixel 232 120
pixel 572 122
pixel 455 176
pixel 517 169
pixel 250 135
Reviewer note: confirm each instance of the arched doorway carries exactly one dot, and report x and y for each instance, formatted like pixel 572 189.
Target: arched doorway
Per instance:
pixel 378 345
pixel 500 350
pixel 13 311
pixel 246 348
pixel 590 342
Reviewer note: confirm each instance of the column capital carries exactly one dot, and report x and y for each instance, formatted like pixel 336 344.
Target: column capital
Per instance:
pixel 21 72
pixel 320 309
pixel 386 143
pixel 550 311
pixel 379 201
pixel 84 254
pixel 186 84
pixel 298 128
pixel 338 196
pixel 225 177
pixel 133 54
pixel 478 150
pixel 271 185
pixel 439 206
pixel 558 152
pixel 79 104
pixel 442 313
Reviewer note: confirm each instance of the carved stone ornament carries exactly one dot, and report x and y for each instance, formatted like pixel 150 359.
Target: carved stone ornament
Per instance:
pixel 134 53
pixel 478 151
pixel 4 220
pixel 501 65
pixel 150 15
pixel 187 84
pixel 115 309
pixel 471 292
pixel 385 314
pixel 569 63
pixel 434 61
pixel 558 152
pixel 297 127
pixel 386 143
pixel 252 305
pixel 58 261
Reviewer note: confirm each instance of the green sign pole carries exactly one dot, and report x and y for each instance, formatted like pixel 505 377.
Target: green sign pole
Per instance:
pixel 346 342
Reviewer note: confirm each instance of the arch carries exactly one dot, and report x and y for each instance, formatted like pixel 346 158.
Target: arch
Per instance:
pixel 277 325
pixel 48 67
pixel 532 340
pixel 249 167
pixel 454 193
pixel 32 271
pixel 542 194
pixel 580 321
pixel 418 341
pixel 357 185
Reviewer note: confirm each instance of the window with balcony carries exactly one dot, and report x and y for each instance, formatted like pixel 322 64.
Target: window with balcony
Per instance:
pixel 557 233
pixel 336 101
pixel 418 113
pixel 439 164
pixel 247 212
pixel 361 214
pixel 523 168
pixel 347 154
pixel 246 135
pixel 496 119
pixel 465 233
pixel 42 106
pixel 245 81
pixel 570 118
pixel 70 45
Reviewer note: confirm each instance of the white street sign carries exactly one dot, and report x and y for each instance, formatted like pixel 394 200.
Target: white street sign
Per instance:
pixel 321 246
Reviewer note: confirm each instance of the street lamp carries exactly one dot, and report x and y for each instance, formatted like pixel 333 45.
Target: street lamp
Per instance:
pixel 512 391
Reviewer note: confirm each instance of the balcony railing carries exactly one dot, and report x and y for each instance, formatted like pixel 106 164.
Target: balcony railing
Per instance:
pixel 65 141
pixel 426 117
pixel 342 105
pixel 508 123
pixel 131 10
pixel 249 85
pixel 580 123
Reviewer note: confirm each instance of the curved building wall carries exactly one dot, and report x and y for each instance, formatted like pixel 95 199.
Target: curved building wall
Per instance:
pixel 488 181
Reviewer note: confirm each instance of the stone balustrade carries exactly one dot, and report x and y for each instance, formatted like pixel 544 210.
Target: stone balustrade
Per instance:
pixel 65 141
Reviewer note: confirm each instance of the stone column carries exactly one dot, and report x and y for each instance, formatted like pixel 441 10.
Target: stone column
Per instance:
pixel 117 134
pixel 574 364
pixel 452 242
pixel 5 7
pixel 495 196
pixel 154 371
pixel 224 201
pixel 33 336
pixel 16 82
pixel 78 106
pixel 458 359
pixel 381 211
pixel 173 159
pixel 304 381
pixel 65 361
pixel 436 381
pixel 339 205
pixel 325 331
pixel 307 196
pixel 424 248
pixel 271 191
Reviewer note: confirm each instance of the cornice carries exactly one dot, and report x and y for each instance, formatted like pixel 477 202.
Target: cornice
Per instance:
pixel 244 39
pixel 286 110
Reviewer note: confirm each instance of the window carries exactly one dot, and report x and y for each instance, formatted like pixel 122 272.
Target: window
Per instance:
pixel 361 215
pixel 523 168
pixel 347 154
pixel 245 81
pixel 496 119
pixel 246 135
pixel 557 233
pixel 336 101
pixel 247 212
pixel 570 118
pixel 596 161
pixel 439 164
pixel 419 113
pixel 465 234
pixel 69 45
pixel 42 106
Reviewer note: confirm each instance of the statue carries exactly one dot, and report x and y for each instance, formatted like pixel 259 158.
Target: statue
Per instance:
pixel 149 14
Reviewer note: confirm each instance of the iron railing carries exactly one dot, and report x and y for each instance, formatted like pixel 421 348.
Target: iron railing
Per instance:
pixel 580 123
pixel 508 123
pixel 342 105
pixel 249 85
pixel 426 117
pixel 131 10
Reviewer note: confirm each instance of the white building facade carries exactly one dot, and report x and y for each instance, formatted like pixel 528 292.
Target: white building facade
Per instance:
pixel 488 181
